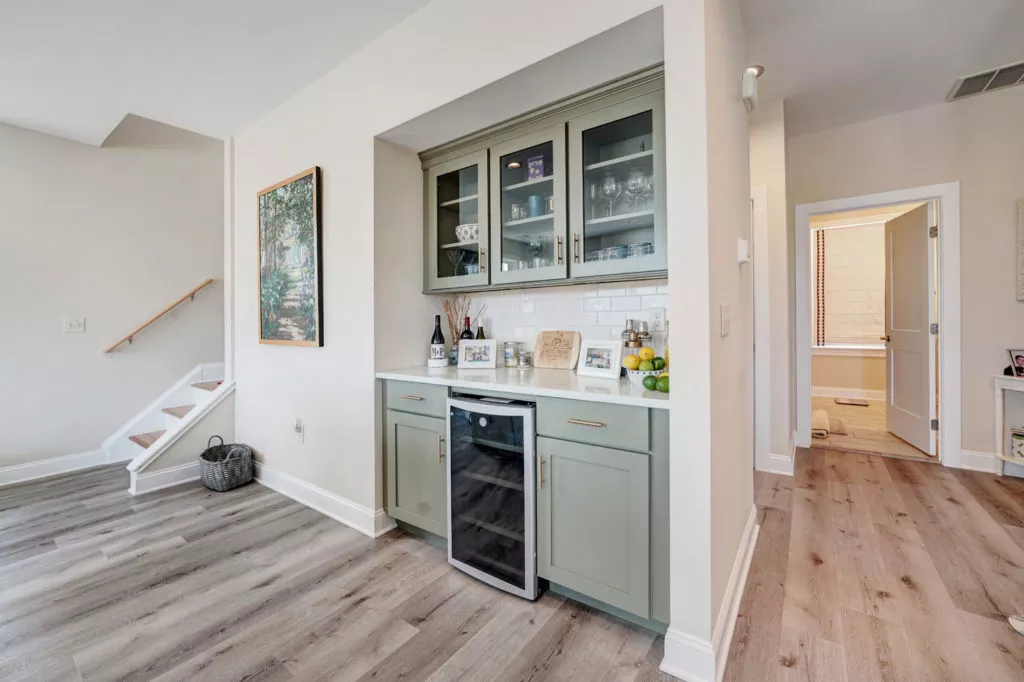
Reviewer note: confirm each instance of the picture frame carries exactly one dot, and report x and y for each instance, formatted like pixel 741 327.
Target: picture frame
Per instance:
pixel 290 276
pixel 478 353
pixel 601 359
pixel 1016 361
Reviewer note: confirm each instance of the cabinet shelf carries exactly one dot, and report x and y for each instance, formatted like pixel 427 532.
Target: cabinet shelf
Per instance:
pixel 460 200
pixel 468 246
pixel 620 159
pixel 619 223
pixel 546 218
pixel 490 527
pixel 493 480
pixel 528 183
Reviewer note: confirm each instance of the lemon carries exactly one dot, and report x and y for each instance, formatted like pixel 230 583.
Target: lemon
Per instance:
pixel 631 362
pixel 646 354
pixel 663 374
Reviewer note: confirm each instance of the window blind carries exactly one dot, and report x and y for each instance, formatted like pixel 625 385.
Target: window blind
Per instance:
pixel 849 291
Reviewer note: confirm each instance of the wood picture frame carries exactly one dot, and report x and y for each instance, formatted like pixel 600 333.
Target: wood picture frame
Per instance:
pixel 290 261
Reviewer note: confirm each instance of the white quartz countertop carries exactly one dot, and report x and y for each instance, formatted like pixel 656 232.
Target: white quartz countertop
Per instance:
pixel 551 383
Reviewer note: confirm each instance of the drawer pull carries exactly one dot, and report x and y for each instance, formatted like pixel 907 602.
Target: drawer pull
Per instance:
pixel 540 479
pixel 411 397
pixel 583 422
pixel 440 449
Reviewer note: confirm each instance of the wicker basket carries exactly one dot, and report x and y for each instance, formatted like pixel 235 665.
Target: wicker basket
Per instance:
pixel 223 467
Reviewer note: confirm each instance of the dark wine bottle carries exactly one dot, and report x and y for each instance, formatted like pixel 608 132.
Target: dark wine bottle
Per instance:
pixel 467 333
pixel 480 332
pixel 438 353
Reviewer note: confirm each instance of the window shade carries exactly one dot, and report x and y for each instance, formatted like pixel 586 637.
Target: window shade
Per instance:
pixel 849 281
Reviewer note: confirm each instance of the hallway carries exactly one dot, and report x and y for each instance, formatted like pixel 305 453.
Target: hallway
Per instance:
pixel 869 568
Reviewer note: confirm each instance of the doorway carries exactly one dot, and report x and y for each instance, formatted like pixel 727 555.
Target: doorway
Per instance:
pixel 873 279
pixel 851 321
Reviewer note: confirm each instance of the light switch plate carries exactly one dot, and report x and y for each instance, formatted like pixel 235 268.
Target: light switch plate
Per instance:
pixel 725 316
pixel 657 319
pixel 74 325
pixel 742 251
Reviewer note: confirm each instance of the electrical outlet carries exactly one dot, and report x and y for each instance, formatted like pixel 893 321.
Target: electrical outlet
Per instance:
pixel 657 319
pixel 300 430
pixel 74 325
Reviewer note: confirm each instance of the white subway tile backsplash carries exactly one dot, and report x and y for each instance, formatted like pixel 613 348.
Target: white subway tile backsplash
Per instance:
pixel 597 304
pixel 597 312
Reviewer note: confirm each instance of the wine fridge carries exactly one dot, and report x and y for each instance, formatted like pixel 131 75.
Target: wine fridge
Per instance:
pixel 491 504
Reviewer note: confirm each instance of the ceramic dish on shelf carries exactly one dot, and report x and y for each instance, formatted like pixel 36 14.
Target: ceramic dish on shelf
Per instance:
pixel 467 232
pixel 636 377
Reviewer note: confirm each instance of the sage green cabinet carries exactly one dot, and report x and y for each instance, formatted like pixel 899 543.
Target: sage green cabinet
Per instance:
pixel 593 522
pixel 416 477
pixel 457 221
pixel 617 189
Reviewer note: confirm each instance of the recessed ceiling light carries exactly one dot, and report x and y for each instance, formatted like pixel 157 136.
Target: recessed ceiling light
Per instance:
pixel 513 165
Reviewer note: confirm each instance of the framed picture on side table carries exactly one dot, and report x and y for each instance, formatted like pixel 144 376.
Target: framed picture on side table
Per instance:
pixel 478 353
pixel 1017 362
pixel 600 359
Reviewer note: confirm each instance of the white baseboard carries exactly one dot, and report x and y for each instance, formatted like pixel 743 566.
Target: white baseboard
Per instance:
pixel 689 658
pixel 365 520
pixel 19 473
pixel 726 623
pixel 148 482
pixel 834 392
pixel 779 464
pixel 980 461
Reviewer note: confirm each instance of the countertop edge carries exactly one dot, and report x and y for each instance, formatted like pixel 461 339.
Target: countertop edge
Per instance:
pixel 630 401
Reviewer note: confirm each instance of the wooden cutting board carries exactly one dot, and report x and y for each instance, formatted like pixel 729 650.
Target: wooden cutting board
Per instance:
pixel 557 350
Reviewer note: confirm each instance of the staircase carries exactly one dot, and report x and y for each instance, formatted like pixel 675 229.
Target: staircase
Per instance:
pixel 168 418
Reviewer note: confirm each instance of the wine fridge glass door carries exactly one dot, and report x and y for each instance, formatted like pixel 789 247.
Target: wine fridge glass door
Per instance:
pixel 491 523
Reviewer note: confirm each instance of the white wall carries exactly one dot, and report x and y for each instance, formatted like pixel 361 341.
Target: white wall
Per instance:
pixel 111 234
pixel 768 167
pixel 978 142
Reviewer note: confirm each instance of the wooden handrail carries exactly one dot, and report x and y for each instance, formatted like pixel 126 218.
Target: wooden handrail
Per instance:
pixel 188 296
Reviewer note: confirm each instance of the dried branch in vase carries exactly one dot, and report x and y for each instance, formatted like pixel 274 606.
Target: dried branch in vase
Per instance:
pixel 457 309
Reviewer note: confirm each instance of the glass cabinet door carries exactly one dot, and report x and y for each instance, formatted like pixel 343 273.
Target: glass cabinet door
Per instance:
pixel 617 162
pixel 528 208
pixel 457 223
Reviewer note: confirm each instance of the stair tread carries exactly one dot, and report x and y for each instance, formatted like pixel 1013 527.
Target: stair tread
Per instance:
pixel 180 411
pixel 208 385
pixel 147 439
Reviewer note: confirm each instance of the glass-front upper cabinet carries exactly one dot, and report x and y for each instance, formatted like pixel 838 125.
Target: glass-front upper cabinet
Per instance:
pixel 616 188
pixel 528 208
pixel 457 223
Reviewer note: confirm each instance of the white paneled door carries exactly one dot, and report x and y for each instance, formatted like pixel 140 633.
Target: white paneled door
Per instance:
pixel 910 310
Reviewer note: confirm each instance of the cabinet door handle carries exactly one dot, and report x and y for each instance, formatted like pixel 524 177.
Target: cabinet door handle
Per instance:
pixel 575 248
pixel 440 449
pixel 482 259
pixel 583 422
pixel 411 397
pixel 560 257
pixel 540 479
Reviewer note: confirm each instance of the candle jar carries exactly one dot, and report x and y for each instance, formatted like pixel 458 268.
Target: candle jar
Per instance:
pixel 511 354
pixel 525 359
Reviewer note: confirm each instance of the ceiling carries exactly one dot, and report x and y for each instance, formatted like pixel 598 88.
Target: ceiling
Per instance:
pixel 75 69
pixel 841 61
pixel 862 216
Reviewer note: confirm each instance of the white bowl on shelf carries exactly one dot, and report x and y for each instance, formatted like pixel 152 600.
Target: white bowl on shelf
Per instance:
pixel 467 232
pixel 636 377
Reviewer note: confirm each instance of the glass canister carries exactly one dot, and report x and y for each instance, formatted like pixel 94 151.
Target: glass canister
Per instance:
pixel 644 336
pixel 511 354
pixel 525 359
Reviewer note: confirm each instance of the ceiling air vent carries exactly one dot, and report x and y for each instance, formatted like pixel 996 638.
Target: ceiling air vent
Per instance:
pixel 1003 77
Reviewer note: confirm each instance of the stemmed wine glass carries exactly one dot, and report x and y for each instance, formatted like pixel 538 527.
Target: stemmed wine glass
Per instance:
pixel 455 257
pixel 611 188
pixel 635 187
pixel 647 194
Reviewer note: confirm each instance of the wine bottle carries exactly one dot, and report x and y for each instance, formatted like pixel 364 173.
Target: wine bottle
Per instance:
pixel 467 333
pixel 480 332
pixel 438 354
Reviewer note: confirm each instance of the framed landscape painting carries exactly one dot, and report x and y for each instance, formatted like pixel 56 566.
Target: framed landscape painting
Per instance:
pixel 291 283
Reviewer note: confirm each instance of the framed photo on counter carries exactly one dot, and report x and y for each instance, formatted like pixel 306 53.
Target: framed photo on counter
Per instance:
pixel 600 359
pixel 478 354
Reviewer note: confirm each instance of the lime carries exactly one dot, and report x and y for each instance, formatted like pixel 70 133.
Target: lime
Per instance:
pixel 651 383
pixel 662 384
pixel 659 363
pixel 646 366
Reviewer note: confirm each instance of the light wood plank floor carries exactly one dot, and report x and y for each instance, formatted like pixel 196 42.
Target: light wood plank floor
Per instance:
pixel 872 568
pixel 866 431
pixel 186 584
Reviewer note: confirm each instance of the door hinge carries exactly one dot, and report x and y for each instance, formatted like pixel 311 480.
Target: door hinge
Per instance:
pixel 933 328
pixel 935 425
pixel 933 231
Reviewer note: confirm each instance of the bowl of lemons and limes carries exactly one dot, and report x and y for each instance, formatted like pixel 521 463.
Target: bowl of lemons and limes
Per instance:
pixel 647 370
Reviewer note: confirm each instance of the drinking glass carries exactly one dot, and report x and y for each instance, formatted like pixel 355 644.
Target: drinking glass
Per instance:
pixel 611 188
pixel 648 190
pixel 635 187
pixel 593 200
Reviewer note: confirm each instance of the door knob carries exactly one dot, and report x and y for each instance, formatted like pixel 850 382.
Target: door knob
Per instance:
pixel 885 338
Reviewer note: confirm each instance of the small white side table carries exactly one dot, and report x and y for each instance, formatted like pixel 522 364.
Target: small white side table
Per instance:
pixel 1000 384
